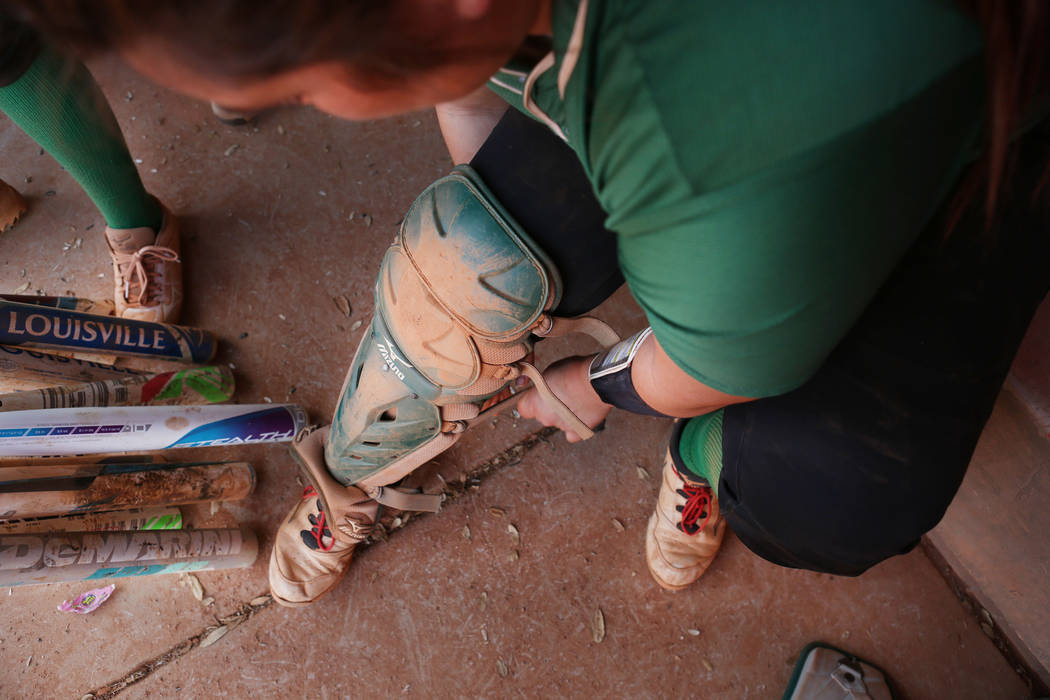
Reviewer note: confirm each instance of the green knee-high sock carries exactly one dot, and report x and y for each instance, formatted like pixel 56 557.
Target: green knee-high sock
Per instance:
pixel 58 103
pixel 701 447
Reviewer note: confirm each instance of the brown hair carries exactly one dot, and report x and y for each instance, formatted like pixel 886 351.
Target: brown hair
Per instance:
pixel 258 38
pixel 1017 38
pixel 246 38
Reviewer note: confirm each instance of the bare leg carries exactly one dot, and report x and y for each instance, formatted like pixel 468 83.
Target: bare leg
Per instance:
pixel 467 122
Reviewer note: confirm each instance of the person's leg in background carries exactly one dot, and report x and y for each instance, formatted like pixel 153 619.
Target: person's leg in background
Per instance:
pixel 56 101
pixel 856 465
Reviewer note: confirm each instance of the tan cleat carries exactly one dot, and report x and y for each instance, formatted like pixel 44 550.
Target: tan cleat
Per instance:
pixel 147 271
pixel 685 532
pixel 12 206
pixel 316 541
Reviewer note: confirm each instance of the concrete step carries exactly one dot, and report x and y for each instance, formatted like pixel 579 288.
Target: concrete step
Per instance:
pixel 994 541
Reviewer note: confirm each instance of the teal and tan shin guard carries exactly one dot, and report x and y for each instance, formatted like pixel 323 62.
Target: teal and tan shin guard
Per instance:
pixel 461 296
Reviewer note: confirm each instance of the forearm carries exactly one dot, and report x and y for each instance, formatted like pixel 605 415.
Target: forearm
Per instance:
pixel 665 387
pixel 467 122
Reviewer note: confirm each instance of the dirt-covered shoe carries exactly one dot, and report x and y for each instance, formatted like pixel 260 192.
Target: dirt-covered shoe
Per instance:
pixel 147 271
pixel 685 532
pixel 315 543
pixel 12 206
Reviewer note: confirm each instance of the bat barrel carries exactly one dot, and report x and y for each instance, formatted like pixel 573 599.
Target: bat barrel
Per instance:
pixel 77 556
pixel 68 431
pixel 126 486
pixel 30 325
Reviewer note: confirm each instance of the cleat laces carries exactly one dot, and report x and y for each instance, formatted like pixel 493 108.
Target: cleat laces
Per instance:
pixel 136 269
pixel 697 505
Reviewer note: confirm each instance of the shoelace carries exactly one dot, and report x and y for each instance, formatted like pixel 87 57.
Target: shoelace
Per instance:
pixel 135 273
pixel 317 530
pixel 697 505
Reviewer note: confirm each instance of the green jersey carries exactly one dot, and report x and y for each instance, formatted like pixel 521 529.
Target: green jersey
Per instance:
pixel 764 164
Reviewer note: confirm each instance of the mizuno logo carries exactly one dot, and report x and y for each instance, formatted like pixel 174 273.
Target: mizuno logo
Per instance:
pixel 392 359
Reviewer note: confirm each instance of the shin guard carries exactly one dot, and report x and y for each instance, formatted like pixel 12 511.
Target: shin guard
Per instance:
pixel 461 296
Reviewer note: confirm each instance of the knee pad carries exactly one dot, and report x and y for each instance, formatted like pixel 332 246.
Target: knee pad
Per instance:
pixel 460 297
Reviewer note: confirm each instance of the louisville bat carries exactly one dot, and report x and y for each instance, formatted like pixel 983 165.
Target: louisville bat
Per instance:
pixel 70 431
pixel 29 325
pixel 37 369
pixel 102 307
pixel 78 556
pixel 198 385
pixel 118 486
pixel 151 518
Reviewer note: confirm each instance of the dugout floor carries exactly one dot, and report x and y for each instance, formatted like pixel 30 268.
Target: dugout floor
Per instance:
pixel 280 220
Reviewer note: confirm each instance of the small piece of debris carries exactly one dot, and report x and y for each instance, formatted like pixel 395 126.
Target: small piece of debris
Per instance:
pixel 242 336
pixel 129 96
pixel 987 629
pixel 598 626
pixel 485 635
pixel 343 304
pixel 693 632
pixel 322 193
pixel 280 129
pixel 267 399
pixel 214 636
pixel 50 193
pixel 466 532
pixel 22 287
pixel 30 660
pixel 259 600
pixel 483 600
pixel 396 523
pixel 642 474
pixel 215 507
pixel 707 664
pixel 229 151
pixel 497 512
pixel 501 668
pixel 617 525
pixel 282 317
pixel 354 326
pixel 195 586
pixel 515 536
pixel 208 602
pixel 513 556
pixel 368 219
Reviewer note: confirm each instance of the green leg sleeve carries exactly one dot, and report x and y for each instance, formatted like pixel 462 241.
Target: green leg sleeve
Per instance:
pixel 58 103
pixel 701 447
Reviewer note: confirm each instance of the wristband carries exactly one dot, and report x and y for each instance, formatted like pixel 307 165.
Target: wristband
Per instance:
pixel 610 376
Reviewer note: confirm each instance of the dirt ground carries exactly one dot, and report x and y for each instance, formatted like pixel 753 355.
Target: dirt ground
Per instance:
pixel 282 218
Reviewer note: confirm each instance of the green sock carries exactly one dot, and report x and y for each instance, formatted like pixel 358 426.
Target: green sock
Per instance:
pixel 700 447
pixel 58 103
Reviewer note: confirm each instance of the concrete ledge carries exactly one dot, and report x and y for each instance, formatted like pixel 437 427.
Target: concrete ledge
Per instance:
pixel 995 538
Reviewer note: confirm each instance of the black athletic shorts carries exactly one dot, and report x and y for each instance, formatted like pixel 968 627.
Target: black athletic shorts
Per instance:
pixel 854 466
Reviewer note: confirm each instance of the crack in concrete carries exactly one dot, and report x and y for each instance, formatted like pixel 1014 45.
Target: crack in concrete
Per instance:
pixel 451 491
